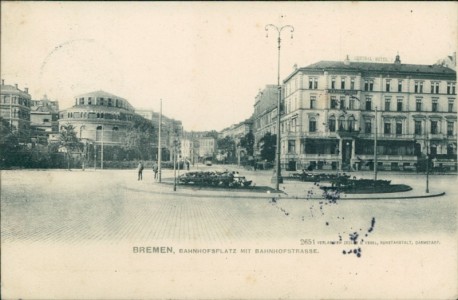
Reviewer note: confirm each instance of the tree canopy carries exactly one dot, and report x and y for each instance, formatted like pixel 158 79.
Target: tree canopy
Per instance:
pixel 247 142
pixel 267 145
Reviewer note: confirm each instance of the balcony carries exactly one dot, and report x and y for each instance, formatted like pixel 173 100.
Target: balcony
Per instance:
pixel 303 156
pixel 436 136
pixel 389 136
pixel 316 134
pixel 382 157
pixel 347 133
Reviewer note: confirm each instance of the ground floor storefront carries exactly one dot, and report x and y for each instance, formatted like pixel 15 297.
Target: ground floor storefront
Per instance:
pixel 354 154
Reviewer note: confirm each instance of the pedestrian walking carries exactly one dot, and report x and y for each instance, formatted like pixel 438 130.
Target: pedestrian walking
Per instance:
pixel 155 170
pixel 140 171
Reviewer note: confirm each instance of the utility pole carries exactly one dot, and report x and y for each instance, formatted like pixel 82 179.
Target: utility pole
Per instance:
pixel 159 146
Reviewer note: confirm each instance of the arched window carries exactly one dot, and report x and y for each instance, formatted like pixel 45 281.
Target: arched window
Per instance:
pixel 351 124
pixel 341 123
pixel 312 124
pixel 115 134
pixel 332 124
pixel 98 135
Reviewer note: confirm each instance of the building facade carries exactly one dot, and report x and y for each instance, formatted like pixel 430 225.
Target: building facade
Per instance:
pixel 237 131
pixel 99 117
pixel 15 108
pixel 335 110
pixel 171 129
pixel 44 115
pixel 207 147
pixel 264 116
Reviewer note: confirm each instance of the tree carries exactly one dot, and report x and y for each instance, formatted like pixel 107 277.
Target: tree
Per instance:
pixel 139 138
pixel 247 142
pixel 9 145
pixel 69 141
pixel 267 145
pixel 226 147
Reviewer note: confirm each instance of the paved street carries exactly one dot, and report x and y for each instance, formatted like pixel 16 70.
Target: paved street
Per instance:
pixel 111 205
pixel 71 234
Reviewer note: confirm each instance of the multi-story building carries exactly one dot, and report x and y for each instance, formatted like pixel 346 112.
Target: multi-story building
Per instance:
pixel 171 129
pixel 100 117
pixel 237 131
pixel 187 149
pixel 190 144
pixel 44 115
pixel 264 117
pixel 207 147
pixel 334 111
pixel 15 108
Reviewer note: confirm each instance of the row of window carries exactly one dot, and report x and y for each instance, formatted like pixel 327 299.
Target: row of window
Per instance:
pixel 349 125
pixel 15 114
pixel 342 104
pixel 369 85
pixel 418 126
pixel 16 100
pixel 93 115
pixel 101 102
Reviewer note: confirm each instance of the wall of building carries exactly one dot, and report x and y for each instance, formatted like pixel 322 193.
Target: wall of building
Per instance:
pixel 15 107
pixel 339 120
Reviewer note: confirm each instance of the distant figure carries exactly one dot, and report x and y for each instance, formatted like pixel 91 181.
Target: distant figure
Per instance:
pixel 140 171
pixel 187 165
pixel 155 170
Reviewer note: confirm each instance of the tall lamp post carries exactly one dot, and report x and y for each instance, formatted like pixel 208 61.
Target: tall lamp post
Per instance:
pixel 277 179
pixel 375 146
pixel 159 146
pixel 427 155
pixel 375 137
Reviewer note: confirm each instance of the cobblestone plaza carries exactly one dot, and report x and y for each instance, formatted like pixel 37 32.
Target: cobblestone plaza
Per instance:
pixel 85 229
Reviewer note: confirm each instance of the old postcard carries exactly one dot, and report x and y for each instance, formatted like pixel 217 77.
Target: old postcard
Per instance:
pixel 225 150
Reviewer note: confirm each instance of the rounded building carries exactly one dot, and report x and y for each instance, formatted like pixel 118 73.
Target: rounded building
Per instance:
pixel 99 116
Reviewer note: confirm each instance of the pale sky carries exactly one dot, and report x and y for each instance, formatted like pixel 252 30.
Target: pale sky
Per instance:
pixel 206 60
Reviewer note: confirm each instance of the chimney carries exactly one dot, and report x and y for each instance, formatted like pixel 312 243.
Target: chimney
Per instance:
pixel 347 61
pixel 26 90
pixel 398 59
pixel 15 85
pixel 3 81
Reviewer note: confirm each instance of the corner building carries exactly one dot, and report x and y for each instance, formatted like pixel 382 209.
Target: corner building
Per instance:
pixel 333 109
pixel 15 108
pixel 99 117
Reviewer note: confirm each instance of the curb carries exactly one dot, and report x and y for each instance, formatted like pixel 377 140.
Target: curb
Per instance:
pixel 281 195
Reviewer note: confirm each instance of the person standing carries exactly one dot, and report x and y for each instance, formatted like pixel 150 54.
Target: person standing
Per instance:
pixel 140 171
pixel 155 170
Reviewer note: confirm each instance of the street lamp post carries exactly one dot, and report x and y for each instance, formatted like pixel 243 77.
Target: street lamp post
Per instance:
pixel 427 156
pixel 277 179
pixel 375 147
pixel 101 152
pixel 159 146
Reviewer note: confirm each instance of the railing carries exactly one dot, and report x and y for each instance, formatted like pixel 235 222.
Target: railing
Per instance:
pixel 386 157
pixel 312 156
pixel 382 136
pixel 317 134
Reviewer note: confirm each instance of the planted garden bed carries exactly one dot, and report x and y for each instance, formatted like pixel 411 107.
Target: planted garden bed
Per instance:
pixel 214 179
pixel 365 186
